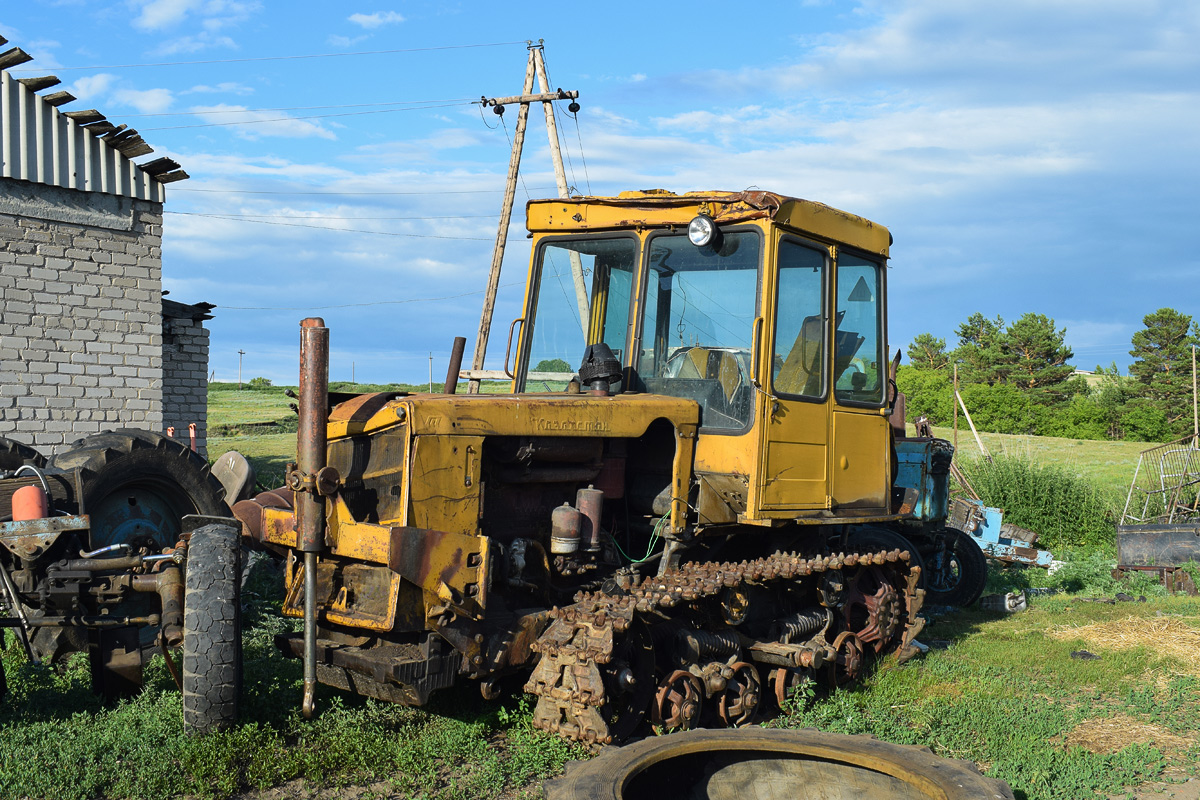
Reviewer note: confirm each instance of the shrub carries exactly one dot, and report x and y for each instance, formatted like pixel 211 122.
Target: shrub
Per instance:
pixel 258 383
pixel 1066 509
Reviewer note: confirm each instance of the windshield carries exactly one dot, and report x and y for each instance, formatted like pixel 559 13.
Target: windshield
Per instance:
pixel 699 323
pixel 576 281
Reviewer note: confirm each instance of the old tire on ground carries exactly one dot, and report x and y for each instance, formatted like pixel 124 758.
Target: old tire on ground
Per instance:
pixel 759 762
pixel 14 455
pixel 956 574
pixel 212 631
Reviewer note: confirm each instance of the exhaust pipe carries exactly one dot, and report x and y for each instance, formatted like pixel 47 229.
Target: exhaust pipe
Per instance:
pixel 456 357
pixel 310 505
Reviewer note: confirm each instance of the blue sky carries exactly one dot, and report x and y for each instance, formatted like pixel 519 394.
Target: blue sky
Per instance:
pixel 1027 156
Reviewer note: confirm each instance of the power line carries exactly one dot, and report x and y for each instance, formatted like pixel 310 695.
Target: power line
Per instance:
pixel 303 216
pixel 347 194
pixel 360 305
pixel 296 119
pixel 347 230
pixel 273 58
pixel 454 100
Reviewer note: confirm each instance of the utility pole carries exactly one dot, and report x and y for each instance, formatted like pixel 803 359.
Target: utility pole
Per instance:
pixel 431 372
pixel 1195 410
pixel 240 354
pixel 534 65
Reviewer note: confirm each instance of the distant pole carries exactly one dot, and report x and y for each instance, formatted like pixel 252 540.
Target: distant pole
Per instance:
pixel 240 354
pixel 352 381
pixel 1195 411
pixel 431 372
pixel 956 408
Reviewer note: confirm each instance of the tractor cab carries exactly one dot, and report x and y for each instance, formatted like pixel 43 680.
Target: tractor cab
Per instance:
pixel 767 311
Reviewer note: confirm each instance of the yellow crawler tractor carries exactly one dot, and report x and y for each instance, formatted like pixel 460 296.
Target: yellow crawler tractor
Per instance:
pixel 714 505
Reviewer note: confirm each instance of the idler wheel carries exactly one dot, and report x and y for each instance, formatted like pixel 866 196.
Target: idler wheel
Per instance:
pixel 739 703
pixel 679 701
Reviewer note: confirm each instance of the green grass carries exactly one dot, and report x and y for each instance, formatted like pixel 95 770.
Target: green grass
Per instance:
pixel 1109 465
pixel 1002 693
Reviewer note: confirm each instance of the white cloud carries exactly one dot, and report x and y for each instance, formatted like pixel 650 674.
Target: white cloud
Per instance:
pixel 155 15
pixel 194 44
pixel 346 41
pixel 263 123
pixel 146 101
pixel 91 87
pixel 228 87
pixel 376 20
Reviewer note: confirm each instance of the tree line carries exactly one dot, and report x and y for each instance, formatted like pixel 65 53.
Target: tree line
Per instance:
pixel 1015 378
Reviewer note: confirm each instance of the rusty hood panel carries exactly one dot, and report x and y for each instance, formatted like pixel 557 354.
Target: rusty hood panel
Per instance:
pixel 624 415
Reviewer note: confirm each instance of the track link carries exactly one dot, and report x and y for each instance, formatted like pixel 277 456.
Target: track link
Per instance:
pixel 576 680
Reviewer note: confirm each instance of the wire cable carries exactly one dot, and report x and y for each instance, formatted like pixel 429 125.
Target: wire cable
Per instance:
pixel 360 305
pixel 349 194
pixel 354 230
pixel 464 100
pixel 275 58
pixel 297 119
pixel 301 216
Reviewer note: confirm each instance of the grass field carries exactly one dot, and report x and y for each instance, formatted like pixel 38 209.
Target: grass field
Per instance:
pixel 1010 693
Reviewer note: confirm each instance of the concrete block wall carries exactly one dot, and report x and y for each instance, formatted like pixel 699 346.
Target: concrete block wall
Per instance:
pixel 185 378
pixel 80 314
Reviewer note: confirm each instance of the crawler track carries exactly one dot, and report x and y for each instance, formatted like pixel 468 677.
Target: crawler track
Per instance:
pixel 600 669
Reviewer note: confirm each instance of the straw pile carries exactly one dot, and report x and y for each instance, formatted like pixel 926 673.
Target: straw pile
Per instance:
pixel 1170 636
pixel 1113 733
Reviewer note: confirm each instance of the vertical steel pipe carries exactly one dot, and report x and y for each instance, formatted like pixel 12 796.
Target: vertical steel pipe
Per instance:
pixel 310 506
pixel 456 357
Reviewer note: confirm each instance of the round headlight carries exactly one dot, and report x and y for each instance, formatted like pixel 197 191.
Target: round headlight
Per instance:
pixel 702 230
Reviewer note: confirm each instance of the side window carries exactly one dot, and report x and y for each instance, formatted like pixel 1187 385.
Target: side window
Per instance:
pixel 562 320
pixel 800 329
pixel 857 365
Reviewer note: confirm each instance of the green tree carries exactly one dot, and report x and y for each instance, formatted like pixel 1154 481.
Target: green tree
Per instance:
pixel 1002 408
pixel 552 365
pixel 1163 362
pixel 1035 354
pixel 979 352
pixel 928 352
pixel 927 393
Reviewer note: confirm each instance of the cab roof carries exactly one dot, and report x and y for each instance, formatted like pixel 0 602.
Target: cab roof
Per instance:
pixel 657 208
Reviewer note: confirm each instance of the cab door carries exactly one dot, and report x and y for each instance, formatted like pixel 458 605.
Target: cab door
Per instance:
pixel 795 429
pixel 860 462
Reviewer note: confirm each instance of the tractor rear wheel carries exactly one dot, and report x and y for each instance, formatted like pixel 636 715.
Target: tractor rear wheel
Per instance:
pixel 212 631
pixel 137 487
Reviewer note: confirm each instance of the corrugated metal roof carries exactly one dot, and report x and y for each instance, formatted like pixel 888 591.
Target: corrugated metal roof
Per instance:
pixel 74 150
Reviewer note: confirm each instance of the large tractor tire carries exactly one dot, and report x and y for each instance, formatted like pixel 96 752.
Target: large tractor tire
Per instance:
pixel 776 764
pixel 212 630
pixel 957 573
pixel 137 486
pixel 14 455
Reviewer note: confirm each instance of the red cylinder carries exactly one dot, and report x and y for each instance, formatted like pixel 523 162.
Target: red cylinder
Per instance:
pixel 29 502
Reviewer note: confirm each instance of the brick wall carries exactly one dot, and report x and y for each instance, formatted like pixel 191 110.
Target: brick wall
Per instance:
pixel 81 331
pixel 185 378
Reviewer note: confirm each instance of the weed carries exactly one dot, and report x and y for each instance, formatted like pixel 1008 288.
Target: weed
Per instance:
pixel 1067 510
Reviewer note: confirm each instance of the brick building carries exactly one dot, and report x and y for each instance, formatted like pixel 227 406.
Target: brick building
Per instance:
pixel 87 341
